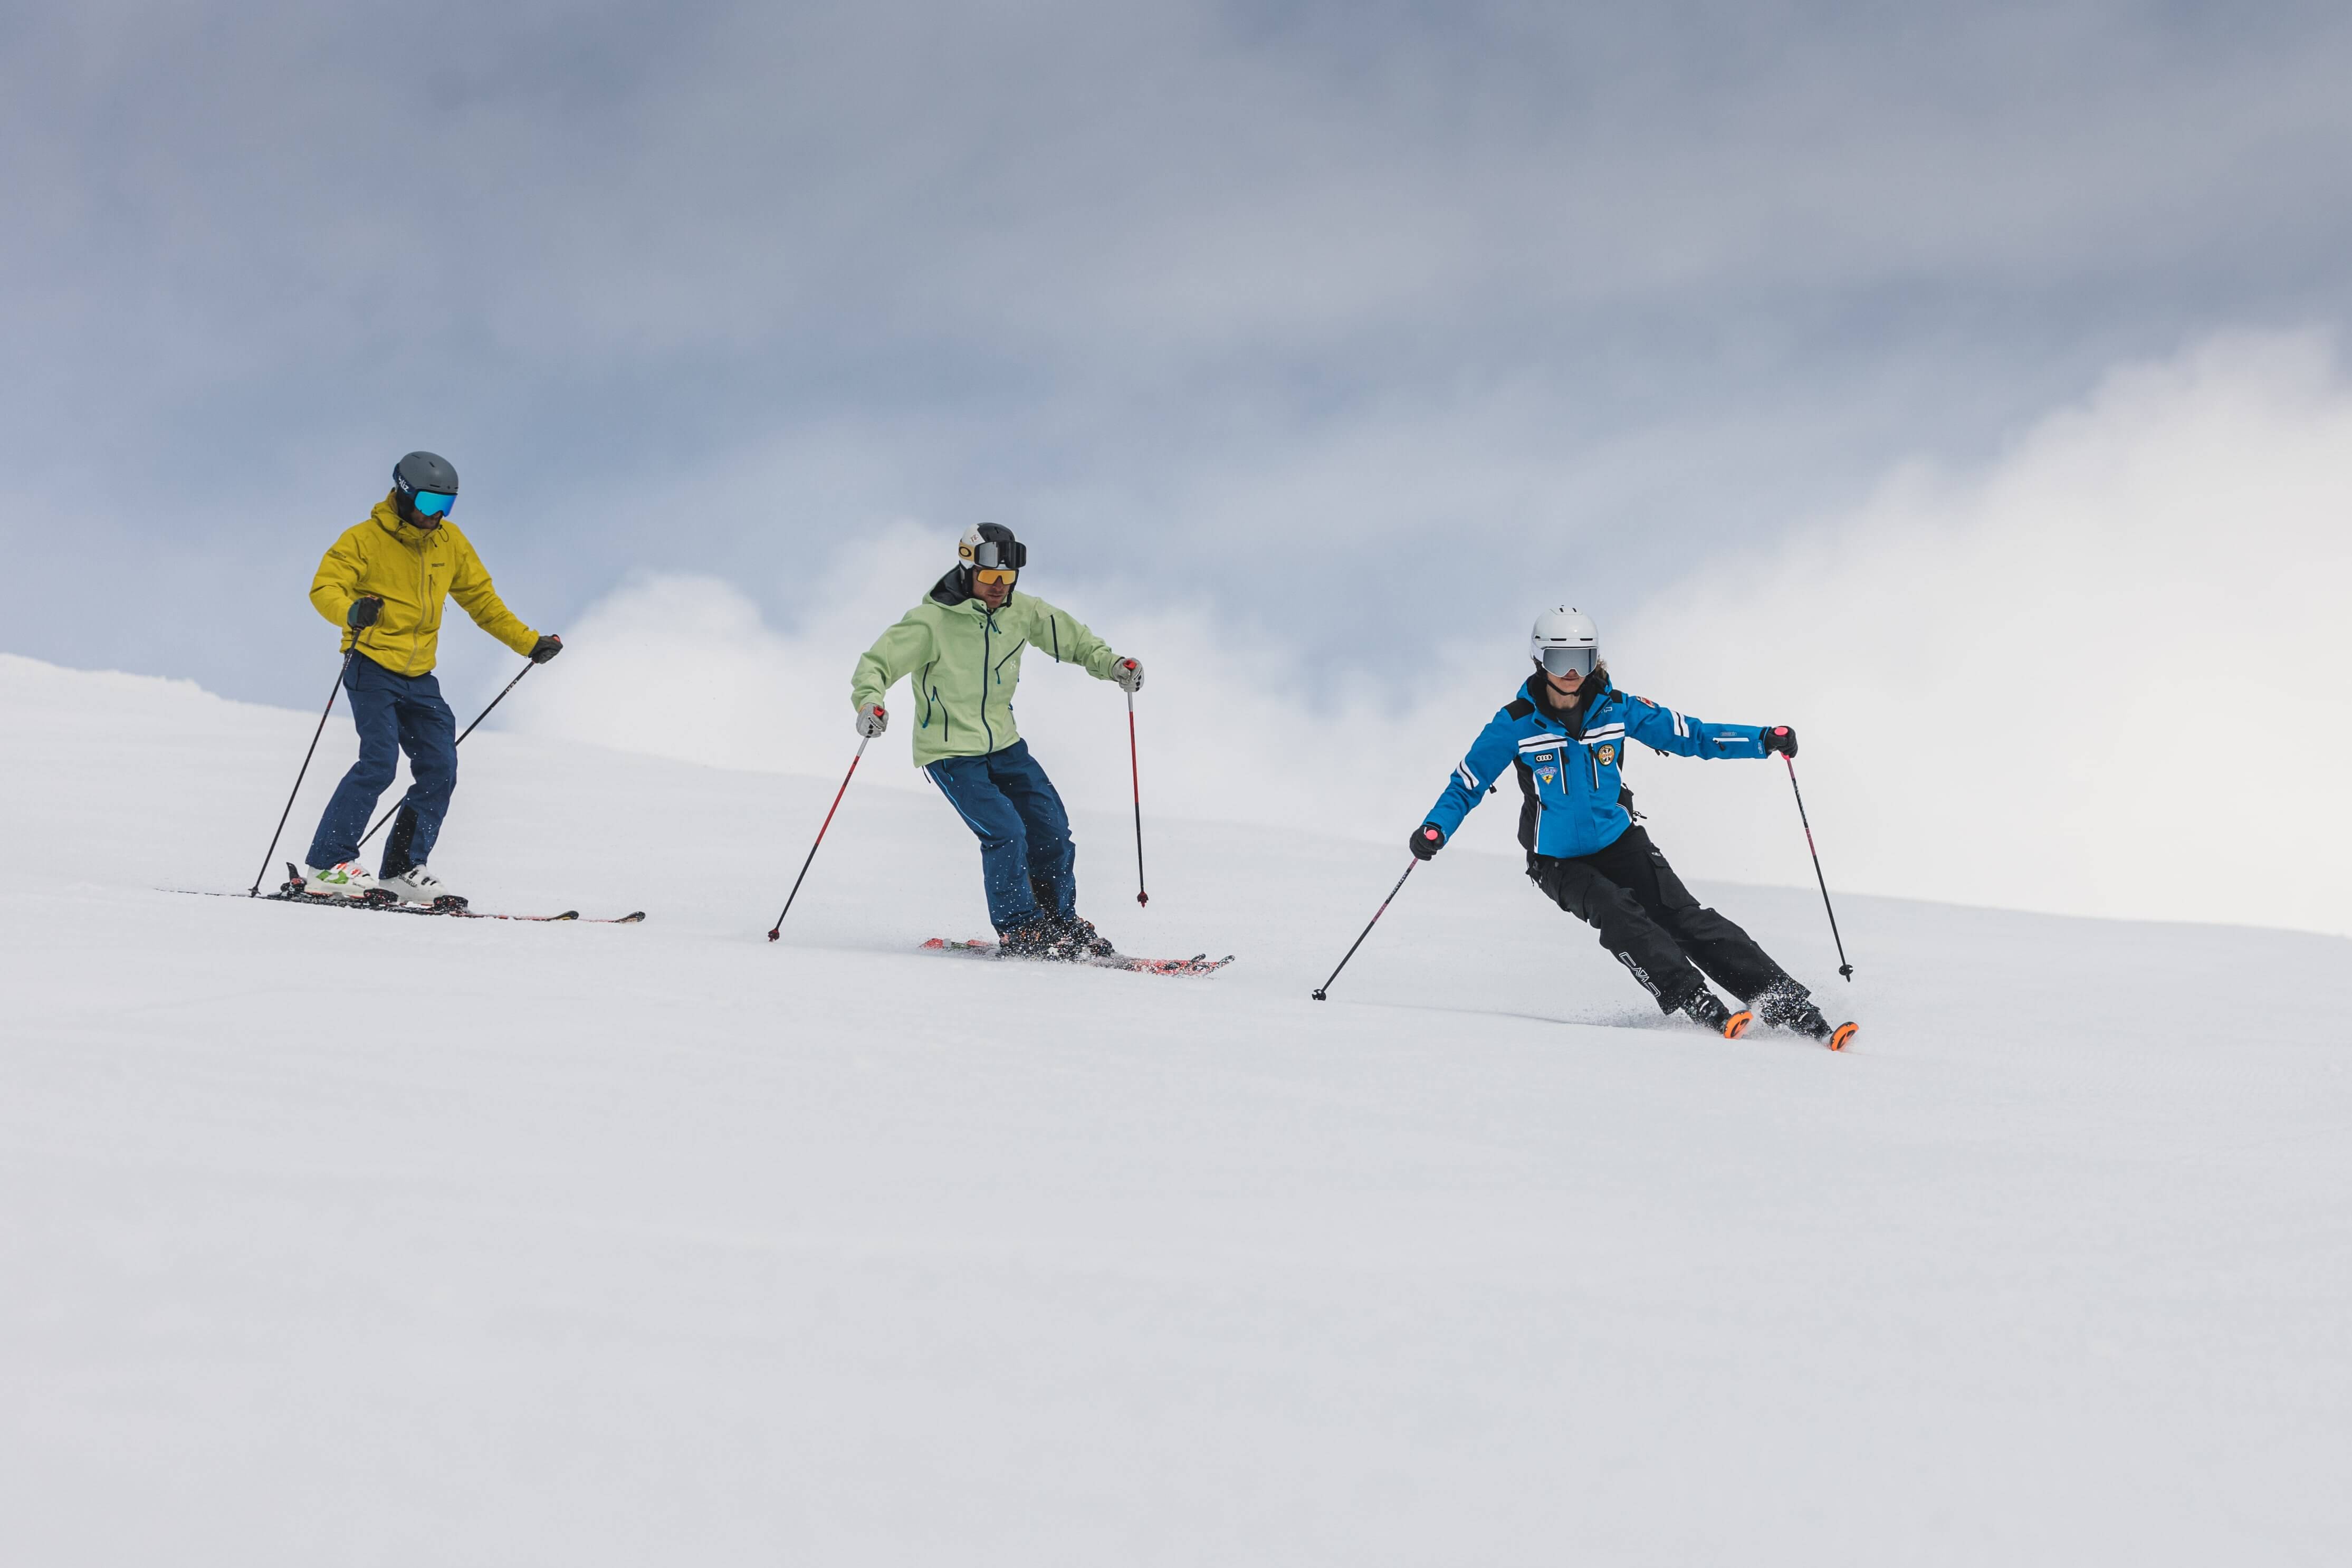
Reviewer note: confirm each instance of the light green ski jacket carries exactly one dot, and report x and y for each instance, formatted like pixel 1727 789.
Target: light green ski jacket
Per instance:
pixel 965 665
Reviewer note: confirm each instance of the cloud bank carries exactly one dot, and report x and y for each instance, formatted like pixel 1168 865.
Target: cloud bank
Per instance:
pixel 1322 291
pixel 2099 673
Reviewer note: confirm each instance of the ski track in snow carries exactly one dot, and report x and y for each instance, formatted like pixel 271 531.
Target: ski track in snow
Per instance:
pixel 340 1240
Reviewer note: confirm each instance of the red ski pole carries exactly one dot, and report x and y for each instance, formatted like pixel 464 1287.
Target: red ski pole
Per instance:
pixel 1135 772
pixel 778 929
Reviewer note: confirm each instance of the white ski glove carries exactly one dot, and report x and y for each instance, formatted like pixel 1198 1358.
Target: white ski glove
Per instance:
pixel 1129 673
pixel 873 721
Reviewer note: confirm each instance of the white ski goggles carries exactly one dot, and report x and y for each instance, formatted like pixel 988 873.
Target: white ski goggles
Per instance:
pixel 1569 660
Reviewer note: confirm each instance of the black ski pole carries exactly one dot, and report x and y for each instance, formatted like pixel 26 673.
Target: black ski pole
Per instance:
pixel 1368 924
pixel 778 929
pixel 1844 969
pixel 1135 772
pixel 341 671
pixel 528 665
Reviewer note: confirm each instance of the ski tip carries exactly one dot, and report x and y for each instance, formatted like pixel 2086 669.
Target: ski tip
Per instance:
pixel 934 944
pixel 1842 1033
pixel 633 918
pixel 1737 1025
pixel 566 915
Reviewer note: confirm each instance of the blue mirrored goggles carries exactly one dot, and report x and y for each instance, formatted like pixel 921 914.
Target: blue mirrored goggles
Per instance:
pixel 1570 660
pixel 432 503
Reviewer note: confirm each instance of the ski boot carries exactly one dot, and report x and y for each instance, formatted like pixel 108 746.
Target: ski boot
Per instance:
pixel 1040 938
pixel 1705 1008
pixel 1080 935
pixel 418 886
pixel 347 879
pixel 1787 1005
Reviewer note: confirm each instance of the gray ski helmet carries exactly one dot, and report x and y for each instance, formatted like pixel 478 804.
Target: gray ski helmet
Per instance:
pixel 424 471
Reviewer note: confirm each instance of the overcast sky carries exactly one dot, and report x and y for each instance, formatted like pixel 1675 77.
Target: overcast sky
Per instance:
pixel 1365 322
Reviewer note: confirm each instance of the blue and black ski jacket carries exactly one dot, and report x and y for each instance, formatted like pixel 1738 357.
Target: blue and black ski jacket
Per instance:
pixel 1569 766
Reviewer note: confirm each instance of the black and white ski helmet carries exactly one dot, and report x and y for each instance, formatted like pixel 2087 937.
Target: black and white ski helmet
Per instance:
pixel 424 471
pixel 991 544
pixel 1565 641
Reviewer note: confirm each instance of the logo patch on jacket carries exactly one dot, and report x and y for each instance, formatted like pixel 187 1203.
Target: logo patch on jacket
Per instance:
pixel 1607 753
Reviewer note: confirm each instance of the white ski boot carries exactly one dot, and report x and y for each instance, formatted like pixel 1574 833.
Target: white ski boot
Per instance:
pixel 349 880
pixel 418 886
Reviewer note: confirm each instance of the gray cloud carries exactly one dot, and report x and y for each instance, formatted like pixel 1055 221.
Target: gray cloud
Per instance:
pixel 1312 303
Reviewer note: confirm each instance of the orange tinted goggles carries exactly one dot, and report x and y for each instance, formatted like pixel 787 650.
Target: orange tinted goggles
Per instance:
pixel 992 575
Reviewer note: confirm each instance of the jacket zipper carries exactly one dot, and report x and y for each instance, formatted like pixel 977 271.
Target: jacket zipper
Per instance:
pixel 423 586
pixel 987 651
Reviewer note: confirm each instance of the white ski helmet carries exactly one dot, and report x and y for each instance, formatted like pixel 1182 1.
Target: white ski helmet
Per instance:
pixel 1565 641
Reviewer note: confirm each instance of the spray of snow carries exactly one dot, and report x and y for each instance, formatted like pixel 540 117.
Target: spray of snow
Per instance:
pixel 2092 677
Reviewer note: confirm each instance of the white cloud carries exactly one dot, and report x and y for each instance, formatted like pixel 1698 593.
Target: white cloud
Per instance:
pixel 2103 675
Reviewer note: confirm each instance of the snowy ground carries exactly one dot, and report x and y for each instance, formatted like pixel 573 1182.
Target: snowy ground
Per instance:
pixel 336 1238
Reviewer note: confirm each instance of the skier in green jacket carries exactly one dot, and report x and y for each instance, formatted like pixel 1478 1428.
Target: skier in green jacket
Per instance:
pixel 963 650
pixel 961 646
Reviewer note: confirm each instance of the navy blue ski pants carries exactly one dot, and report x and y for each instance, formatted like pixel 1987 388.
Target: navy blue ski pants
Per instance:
pixel 1026 859
pixel 393 713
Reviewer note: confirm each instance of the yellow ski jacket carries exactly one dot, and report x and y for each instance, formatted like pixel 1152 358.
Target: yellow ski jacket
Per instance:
pixel 412 571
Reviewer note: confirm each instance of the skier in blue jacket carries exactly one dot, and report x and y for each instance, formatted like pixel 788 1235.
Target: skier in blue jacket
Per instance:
pixel 1565 736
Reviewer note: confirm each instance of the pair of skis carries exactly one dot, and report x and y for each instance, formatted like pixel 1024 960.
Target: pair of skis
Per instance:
pixel 987 948
pixel 294 890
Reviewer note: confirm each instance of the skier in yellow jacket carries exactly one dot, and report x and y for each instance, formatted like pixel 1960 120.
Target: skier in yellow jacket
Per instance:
pixel 384 582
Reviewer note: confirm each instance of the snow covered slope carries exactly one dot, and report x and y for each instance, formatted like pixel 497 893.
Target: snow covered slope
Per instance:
pixel 335 1239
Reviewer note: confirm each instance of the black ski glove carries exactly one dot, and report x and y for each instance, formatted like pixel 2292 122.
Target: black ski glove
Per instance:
pixel 363 612
pixel 1782 739
pixel 546 648
pixel 1426 840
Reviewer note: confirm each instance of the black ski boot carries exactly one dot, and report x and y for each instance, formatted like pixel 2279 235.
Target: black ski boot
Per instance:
pixel 1703 1007
pixel 1040 938
pixel 1787 1005
pixel 1083 937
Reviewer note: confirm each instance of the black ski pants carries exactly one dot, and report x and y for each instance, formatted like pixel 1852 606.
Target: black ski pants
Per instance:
pixel 1651 924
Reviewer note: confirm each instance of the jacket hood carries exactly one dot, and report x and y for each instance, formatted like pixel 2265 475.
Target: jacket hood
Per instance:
pixel 388 518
